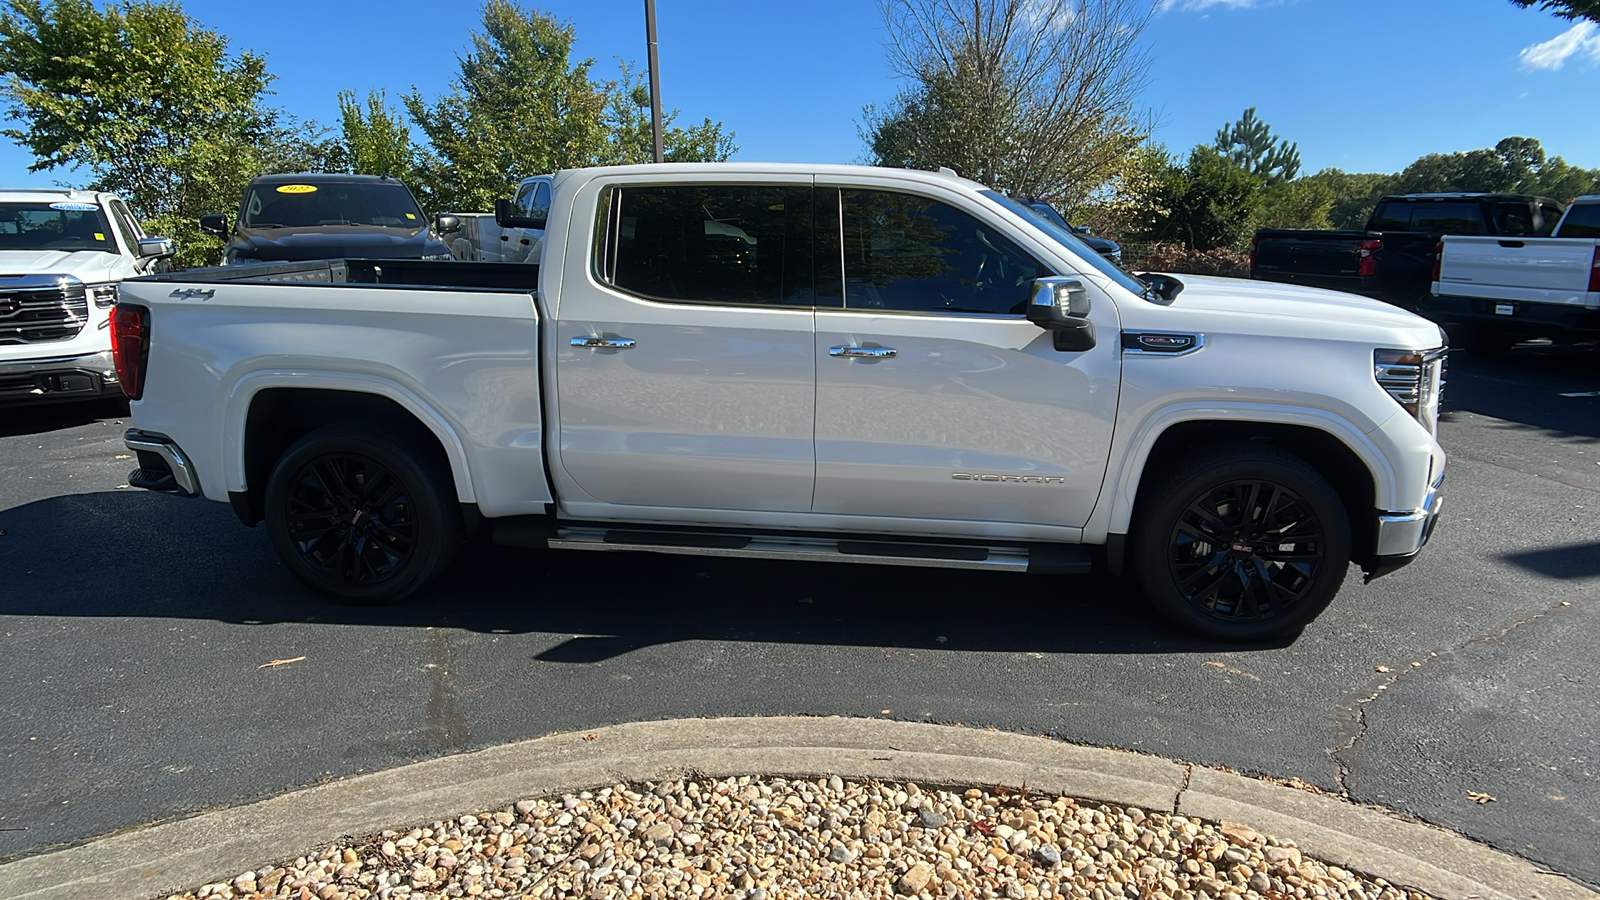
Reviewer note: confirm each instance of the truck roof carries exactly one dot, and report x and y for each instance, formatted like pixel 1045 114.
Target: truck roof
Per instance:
pixel 324 177
pixel 760 168
pixel 47 195
pixel 1463 195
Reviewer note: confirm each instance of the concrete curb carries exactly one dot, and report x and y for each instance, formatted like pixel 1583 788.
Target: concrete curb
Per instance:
pixel 184 854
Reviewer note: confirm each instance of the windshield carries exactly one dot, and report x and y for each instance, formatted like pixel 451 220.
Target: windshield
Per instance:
pixel 1070 241
pixel 306 205
pixel 62 225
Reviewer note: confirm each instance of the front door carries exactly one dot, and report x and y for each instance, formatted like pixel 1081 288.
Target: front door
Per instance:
pixel 936 398
pixel 685 372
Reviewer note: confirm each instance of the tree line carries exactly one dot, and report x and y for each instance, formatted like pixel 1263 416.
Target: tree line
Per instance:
pixel 149 103
pixel 1032 97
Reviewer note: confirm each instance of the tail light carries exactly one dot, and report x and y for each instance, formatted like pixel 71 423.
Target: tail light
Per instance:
pixel 130 347
pixel 1438 260
pixel 1368 264
pixel 1594 272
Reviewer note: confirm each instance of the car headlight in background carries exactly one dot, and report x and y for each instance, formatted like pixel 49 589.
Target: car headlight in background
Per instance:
pixel 103 295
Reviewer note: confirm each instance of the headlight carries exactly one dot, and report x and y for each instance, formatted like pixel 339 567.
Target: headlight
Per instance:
pixel 103 295
pixel 1415 379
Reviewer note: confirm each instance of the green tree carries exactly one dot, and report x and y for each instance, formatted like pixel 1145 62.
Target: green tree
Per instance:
pixel 1210 202
pixel 1302 203
pixel 1029 96
pixel 520 106
pixel 1516 164
pixel 376 140
pixel 1566 9
pixel 147 103
pixel 1253 147
pixel 630 139
pixel 1354 195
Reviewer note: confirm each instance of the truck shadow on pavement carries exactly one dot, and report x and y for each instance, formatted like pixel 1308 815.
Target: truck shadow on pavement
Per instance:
pixel 1573 561
pixel 1526 388
pixel 16 421
pixel 152 555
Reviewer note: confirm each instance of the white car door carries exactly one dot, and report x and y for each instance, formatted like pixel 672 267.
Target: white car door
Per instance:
pixel 936 398
pixel 685 372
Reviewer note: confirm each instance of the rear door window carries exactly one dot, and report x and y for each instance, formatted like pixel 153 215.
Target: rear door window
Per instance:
pixel 1392 217
pixel 744 245
pixel 1582 221
pixel 1447 218
pixel 1514 218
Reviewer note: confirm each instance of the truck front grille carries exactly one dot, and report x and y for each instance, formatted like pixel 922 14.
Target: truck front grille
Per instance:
pixel 36 309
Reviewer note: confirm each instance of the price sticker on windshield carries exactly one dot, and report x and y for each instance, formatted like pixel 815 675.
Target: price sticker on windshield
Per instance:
pixel 297 189
pixel 1505 309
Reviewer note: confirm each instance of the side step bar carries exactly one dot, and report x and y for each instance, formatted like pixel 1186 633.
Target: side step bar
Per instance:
pixel 1037 559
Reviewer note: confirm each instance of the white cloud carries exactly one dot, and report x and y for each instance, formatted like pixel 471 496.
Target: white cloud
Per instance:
pixel 1580 40
pixel 1197 5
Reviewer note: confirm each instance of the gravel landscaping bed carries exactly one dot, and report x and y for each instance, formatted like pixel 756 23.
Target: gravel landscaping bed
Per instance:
pixel 766 839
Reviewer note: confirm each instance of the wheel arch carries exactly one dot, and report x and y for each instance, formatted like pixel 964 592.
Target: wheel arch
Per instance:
pixel 1345 456
pixel 267 414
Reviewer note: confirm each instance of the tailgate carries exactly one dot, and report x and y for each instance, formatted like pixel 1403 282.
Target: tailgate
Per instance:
pixel 1535 270
pixel 1308 252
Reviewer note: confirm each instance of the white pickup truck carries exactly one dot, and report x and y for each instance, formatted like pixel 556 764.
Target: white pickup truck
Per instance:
pixel 826 363
pixel 1495 292
pixel 62 254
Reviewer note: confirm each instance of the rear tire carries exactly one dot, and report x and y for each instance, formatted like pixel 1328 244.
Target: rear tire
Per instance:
pixel 1241 542
pixel 364 517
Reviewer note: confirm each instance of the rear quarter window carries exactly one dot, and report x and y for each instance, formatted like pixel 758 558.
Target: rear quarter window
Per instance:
pixel 1447 218
pixel 1582 221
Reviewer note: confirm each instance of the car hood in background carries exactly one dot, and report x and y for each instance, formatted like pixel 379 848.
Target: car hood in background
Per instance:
pixel 1100 245
pixel 88 266
pixel 334 242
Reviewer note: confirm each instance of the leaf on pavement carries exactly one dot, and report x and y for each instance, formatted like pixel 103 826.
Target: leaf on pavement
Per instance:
pixel 1479 797
pixel 279 662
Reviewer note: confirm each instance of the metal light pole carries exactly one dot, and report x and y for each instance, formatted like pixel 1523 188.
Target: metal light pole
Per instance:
pixel 655 75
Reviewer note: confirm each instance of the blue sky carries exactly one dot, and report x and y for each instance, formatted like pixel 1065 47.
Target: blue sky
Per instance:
pixel 1364 85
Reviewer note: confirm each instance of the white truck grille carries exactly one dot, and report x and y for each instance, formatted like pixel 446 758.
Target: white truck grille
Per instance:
pixel 36 309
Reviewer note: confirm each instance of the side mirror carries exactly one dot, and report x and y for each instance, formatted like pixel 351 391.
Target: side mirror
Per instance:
pixel 1082 229
pixel 215 224
pixel 505 215
pixel 446 224
pixel 157 248
pixel 1060 305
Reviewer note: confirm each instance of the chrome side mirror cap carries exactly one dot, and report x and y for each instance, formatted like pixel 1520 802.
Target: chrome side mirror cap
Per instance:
pixel 156 248
pixel 446 224
pixel 1060 305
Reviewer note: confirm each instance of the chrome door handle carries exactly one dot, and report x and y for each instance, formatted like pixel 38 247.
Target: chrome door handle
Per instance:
pixel 603 343
pixel 863 352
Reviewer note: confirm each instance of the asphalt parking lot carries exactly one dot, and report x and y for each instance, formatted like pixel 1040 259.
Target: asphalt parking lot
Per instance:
pixel 136 626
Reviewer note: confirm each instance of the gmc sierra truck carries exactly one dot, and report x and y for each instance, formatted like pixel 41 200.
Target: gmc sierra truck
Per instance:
pixel 1393 259
pixel 1495 292
pixel 62 255
pixel 831 363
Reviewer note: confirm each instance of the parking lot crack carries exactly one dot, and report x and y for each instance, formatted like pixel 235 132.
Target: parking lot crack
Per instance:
pixel 447 727
pixel 1353 712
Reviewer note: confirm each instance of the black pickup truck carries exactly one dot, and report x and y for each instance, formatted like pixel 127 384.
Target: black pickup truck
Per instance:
pixel 1393 259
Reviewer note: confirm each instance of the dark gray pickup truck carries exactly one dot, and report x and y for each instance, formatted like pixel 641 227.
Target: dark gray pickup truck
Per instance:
pixel 1393 259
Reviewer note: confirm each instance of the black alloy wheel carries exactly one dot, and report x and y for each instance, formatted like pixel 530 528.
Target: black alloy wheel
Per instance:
pixel 1241 542
pixel 351 519
pixel 363 516
pixel 1246 550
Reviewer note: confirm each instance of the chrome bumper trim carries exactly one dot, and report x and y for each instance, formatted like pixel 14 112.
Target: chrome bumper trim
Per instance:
pixel 1405 533
pixel 163 446
pixel 99 363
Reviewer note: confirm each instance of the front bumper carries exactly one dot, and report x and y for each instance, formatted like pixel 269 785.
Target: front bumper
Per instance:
pixel 84 377
pixel 163 466
pixel 1402 535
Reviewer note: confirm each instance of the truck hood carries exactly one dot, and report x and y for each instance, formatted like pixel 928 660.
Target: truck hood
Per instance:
pixel 1300 311
pixel 335 242
pixel 88 266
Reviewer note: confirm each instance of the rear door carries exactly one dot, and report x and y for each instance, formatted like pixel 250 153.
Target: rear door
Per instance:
pixel 936 398
pixel 685 378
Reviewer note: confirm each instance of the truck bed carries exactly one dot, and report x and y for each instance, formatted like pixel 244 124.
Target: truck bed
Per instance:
pixel 398 272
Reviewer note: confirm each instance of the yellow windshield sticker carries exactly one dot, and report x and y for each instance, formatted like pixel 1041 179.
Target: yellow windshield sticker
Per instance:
pixel 98 236
pixel 411 215
pixel 297 189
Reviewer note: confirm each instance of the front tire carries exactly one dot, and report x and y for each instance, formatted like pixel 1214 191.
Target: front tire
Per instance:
pixel 1241 542
pixel 363 517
